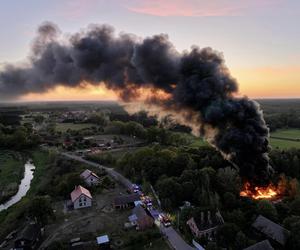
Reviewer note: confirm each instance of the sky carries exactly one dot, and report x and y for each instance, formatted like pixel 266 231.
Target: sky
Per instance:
pixel 260 39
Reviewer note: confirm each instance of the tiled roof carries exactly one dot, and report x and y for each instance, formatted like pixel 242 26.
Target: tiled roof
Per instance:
pixel 78 191
pixel 271 229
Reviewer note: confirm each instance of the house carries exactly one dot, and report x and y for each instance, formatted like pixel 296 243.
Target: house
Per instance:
pixel 90 177
pixel 125 201
pixel 28 238
pixel 103 242
pixel 206 224
pixel 270 229
pixel 81 197
pixel 262 245
pixel 140 218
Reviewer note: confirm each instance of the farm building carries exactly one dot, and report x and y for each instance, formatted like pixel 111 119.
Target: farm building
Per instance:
pixel 90 177
pixel 125 201
pixel 206 224
pixel 140 218
pixel 275 233
pixel 81 197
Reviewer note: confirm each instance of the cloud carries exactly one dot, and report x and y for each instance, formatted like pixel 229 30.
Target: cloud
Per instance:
pixel 196 7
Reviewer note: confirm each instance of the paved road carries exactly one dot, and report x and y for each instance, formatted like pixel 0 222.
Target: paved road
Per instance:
pixel 173 237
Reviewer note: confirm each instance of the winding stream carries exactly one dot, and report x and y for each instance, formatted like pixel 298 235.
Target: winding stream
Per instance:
pixel 23 187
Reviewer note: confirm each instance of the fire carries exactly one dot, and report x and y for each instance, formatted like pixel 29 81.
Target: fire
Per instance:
pixel 268 192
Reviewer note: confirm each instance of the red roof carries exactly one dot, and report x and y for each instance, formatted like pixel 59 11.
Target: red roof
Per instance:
pixel 78 191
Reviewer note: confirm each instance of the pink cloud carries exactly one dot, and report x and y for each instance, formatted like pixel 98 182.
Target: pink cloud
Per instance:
pixel 196 7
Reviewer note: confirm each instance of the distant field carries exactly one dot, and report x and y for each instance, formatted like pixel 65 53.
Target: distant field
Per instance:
pixel 287 133
pixel 63 127
pixel 284 144
pixel 285 139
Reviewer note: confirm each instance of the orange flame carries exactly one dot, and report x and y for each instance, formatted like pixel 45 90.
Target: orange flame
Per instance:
pixel 269 192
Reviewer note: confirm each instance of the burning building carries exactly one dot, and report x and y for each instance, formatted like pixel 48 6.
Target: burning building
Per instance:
pixel 195 85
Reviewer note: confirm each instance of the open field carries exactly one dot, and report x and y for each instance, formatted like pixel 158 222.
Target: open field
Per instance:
pixel 287 133
pixel 11 173
pixel 63 127
pixel 285 139
pixel 284 144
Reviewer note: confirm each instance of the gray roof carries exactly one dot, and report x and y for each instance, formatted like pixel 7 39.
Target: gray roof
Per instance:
pixel 126 199
pixel 139 211
pixel 263 245
pixel 271 229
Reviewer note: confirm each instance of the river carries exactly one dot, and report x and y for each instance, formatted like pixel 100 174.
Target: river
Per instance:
pixel 23 187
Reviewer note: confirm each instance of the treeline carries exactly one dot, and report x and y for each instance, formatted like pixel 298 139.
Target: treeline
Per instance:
pixel 179 174
pixel 151 134
pixel 202 177
pixel 283 120
pixel 19 137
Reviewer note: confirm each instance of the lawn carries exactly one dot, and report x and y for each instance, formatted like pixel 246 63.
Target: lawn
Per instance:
pixel 11 173
pixel 63 127
pixel 287 133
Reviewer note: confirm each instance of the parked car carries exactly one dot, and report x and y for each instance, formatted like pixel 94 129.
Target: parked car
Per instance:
pixel 165 220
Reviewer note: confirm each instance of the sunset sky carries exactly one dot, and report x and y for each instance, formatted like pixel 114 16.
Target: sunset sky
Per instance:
pixel 260 39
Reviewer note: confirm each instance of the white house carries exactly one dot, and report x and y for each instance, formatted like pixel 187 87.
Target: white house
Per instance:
pixel 81 197
pixel 90 177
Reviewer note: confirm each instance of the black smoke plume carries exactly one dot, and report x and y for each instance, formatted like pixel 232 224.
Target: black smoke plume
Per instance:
pixel 196 83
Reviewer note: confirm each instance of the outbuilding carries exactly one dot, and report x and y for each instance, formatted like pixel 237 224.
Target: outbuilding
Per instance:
pixel 90 178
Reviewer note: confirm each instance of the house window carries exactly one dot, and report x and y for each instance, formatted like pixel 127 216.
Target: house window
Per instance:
pixel 80 204
pixel 84 199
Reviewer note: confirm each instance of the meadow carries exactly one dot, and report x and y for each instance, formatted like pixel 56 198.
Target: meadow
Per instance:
pixel 64 127
pixel 285 139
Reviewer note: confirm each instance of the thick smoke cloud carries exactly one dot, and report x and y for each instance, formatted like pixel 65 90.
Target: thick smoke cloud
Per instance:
pixel 196 83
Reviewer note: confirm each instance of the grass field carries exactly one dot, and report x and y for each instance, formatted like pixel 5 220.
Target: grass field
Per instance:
pixel 63 127
pixel 287 133
pixel 282 139
pixel 283 144
pixel 11 173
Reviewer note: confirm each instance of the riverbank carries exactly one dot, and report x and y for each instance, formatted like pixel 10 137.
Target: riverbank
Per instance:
pixel 12 217
pixel 11 173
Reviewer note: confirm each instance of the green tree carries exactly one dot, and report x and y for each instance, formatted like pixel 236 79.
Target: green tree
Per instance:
pixel 295 207
pixel 40 209
pixel 226 234
pixel 228 180
pixel 267 209
pixel 294 239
